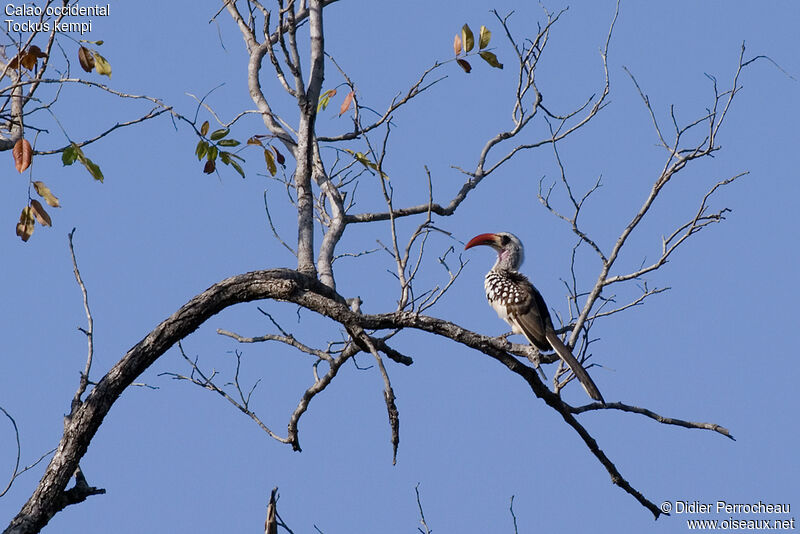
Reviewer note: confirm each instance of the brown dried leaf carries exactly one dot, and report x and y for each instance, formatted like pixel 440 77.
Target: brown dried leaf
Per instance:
pixel 464 64
pixel 204 128
pixel 270 162
pixel 209 167
pixel 278 156
pixel 28 60
pixel 346 104
pixel 35 51
pixel 44 192
pixel 457 44
pixel 29 57
pixel 39 212
pixel 25 224
pixel 86 59
pixel 23 154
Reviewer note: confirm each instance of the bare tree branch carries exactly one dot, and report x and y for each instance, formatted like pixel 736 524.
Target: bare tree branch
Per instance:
pixel 278 284
pixel 652 415
pixel 326 196
pixel 678 158
pixel 421 513
pixel 84 380
pixel 388 393
pixel 513 515
pixel 206 381
pixel 482 167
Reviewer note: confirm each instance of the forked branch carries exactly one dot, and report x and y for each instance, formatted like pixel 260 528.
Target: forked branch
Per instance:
pixel 278 284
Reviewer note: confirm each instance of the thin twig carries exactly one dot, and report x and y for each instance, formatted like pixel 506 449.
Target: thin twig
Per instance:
pixel 207 382
pixel 421 513
pixel 513 515
pixel 652 415
pixel 89 332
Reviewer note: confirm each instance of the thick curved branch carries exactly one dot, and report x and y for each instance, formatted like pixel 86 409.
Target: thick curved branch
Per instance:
pixel 283 284
pixel 277 284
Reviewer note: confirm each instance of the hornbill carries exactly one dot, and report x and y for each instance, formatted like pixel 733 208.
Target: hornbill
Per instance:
pixel 519 304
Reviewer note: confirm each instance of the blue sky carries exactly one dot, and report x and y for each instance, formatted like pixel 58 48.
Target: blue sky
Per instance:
pixel 717 347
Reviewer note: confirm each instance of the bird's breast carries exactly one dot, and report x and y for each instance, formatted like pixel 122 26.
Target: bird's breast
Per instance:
pixel 500 292
pixel 502 289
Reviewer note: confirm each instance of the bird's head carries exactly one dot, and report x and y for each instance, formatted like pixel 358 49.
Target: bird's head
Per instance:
pixel 510 253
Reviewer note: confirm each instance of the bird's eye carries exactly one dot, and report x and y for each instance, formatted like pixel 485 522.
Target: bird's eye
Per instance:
pixel 504 240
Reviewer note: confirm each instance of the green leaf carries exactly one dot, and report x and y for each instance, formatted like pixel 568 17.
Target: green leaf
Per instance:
pixel 365 161
pixel 229 142
pixel 238 168
pixel 491 59
pixel 362 159
pixel 202 148
pixel 211 155
pixel 485 36
pixel 225 157
pixel 101 65
pixel 468 38
pixel 70 154
pixel 92 167
pixel 216 135
pixel 325 98
pixel 74 152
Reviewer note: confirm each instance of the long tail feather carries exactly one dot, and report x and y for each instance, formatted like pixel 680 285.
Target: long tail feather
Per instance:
pixel 565 354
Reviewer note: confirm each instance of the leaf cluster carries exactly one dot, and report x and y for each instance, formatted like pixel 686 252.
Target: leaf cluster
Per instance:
pixel 92 60
pixel 465 42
